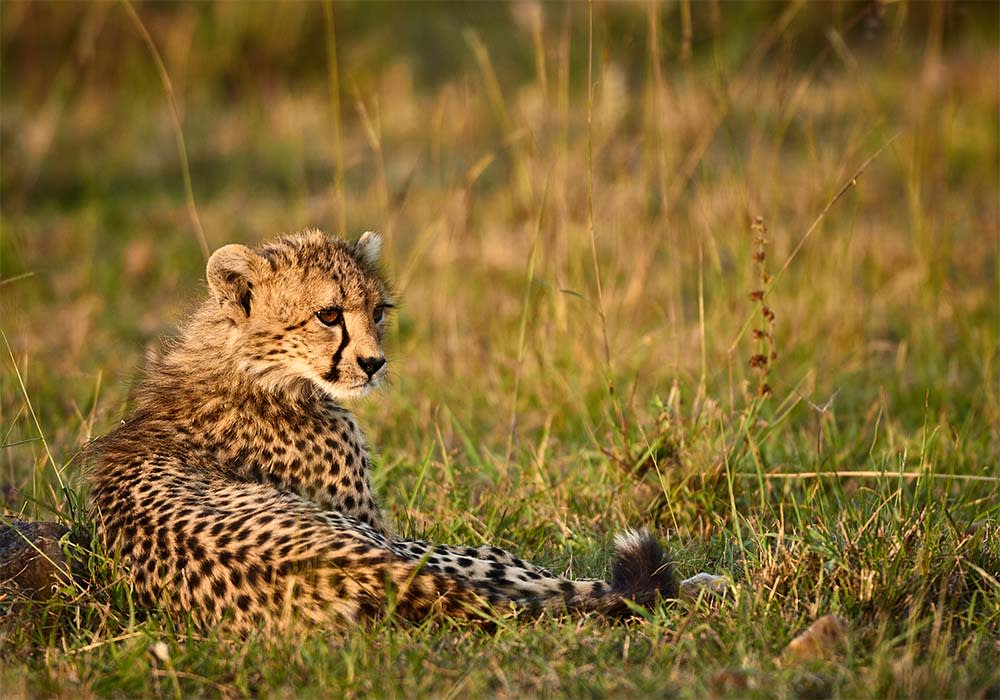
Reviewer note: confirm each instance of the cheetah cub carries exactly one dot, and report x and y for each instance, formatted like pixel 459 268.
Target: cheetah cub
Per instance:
pixel 238 491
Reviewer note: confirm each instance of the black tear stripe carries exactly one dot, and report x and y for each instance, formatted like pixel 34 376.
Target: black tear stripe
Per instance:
pixel 334 374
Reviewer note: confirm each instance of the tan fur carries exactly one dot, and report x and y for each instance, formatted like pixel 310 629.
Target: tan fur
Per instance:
pixel 239 489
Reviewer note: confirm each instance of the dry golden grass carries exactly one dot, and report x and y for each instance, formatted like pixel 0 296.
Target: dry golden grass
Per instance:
pixel 572 350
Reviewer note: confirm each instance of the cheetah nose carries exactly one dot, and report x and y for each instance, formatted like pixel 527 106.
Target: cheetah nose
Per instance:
pixel 371 365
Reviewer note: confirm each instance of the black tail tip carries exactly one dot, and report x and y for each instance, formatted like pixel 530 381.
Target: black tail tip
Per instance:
pixel 641 570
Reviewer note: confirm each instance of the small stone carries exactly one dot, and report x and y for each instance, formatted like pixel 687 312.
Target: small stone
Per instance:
pixel 825 639
pixel 160 652
pixel 691 588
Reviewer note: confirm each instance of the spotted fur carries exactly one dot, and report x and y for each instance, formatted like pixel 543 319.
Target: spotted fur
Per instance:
pixel 239 489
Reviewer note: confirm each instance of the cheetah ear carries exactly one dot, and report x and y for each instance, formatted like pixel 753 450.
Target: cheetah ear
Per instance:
pixel 369 246
pixel 231 272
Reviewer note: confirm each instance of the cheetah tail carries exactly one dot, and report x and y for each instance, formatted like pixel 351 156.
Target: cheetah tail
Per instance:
pixel 640 572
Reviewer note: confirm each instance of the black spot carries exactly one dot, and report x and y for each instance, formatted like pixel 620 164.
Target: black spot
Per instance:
pixel 568 591
pixel 197 551
pixel 298 325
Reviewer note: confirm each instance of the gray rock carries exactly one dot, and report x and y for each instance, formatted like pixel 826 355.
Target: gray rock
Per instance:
pixel 691 588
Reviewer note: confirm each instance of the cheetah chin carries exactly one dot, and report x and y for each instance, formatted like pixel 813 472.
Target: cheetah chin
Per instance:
pixel 238 493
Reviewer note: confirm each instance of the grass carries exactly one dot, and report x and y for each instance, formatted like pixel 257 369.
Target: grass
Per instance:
pixel 576 260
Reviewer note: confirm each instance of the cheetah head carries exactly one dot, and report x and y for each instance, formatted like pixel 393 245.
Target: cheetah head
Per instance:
pixel 305 309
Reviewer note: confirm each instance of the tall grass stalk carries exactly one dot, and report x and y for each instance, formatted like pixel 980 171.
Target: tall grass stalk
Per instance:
pixel 590 201
pixel 168 90
pixel 333 86
pixel 523 329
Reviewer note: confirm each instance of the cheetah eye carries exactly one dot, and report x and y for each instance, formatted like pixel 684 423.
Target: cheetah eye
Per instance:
pixel 330 316
pixel 379 313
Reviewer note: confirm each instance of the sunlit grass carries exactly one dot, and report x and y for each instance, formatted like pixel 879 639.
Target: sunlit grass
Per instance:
pixel 572 350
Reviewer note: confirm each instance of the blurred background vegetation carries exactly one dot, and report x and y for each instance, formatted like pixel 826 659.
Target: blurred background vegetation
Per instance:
pixel 569 222
pixel 451 126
